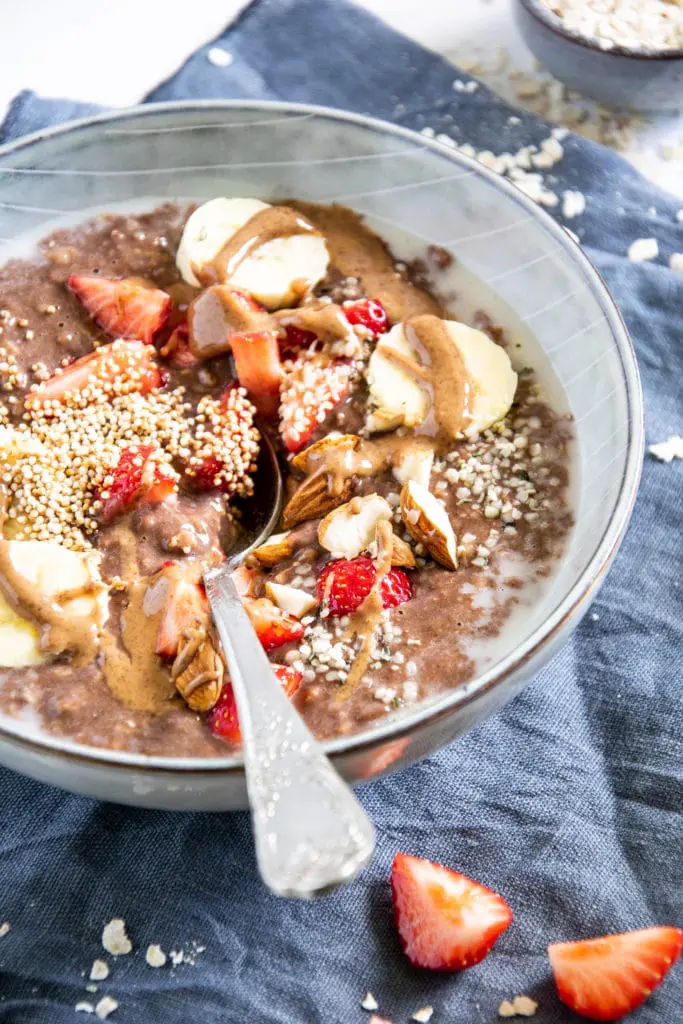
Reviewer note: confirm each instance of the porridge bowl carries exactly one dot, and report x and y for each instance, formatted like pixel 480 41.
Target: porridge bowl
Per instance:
pixel 492 557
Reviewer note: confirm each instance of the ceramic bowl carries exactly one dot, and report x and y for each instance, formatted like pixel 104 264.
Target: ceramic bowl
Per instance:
pixel 621 78
pixel 533 278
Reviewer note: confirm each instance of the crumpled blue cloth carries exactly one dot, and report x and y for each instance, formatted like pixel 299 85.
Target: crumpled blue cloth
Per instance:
pixel 569 801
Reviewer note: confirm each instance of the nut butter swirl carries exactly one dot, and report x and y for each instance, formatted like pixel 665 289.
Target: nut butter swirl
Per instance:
pixel 265 226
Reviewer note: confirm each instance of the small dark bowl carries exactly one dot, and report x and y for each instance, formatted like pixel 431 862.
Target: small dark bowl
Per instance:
pixel 620 78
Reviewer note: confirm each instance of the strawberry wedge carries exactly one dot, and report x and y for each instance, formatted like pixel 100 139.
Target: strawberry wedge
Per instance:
pixel 606 978
pixel 311 390
pixel 273 627
pixel 223 720
pixel 128 308
pixel 116 369
pixel 445 921
pixel 344 584
pixel 139 476
pixel 258 368
pixel 185 607
pixel 368 313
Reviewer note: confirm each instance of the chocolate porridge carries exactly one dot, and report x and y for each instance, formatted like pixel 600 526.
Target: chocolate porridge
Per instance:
pixel 142 358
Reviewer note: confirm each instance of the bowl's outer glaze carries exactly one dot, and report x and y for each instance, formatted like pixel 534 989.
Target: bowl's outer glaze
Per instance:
pixel 622 80
pixel 439 197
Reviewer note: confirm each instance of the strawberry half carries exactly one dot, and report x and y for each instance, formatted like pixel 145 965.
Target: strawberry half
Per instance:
pixel 294 339
pixel 345 583
pixel 369 313
pixel 186 607
pixel 223 720
pixel 445 921
pixel 273 627
pixel 128 308
pixel 605 978
pixel 116 369
pixel 138 476
pixel 258 368
pixel 311 390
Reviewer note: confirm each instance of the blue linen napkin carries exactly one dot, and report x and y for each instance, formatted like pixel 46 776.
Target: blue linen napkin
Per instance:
pixel 569 801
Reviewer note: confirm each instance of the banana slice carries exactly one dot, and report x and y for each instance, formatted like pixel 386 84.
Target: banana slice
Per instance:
pixel 398 399
pixel 276 273
pixel 209 228
pixel 490 370
pixel 53 570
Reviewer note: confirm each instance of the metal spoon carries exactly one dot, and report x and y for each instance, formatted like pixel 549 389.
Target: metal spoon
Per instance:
pixel 311 833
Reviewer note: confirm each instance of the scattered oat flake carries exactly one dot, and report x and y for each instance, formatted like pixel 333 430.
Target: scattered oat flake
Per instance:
pixel 643 249
pixel 424 1015
pixel 378 1020
pixel 99 971
pixel 91 988
pixel 105 1006
pixel 84 1007
pixel 114 938
pixel 219 57
pixel 573 204
pixel 521 1006
pixel 506 1009
pixel 667 451
pixel 176 956
pixel 4 928
pixel 155 956
pixel 369 1003
pixel 676 262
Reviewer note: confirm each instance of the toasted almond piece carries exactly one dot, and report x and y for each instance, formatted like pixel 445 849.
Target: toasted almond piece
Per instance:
pixel 198 671
pixel 402 553
pixel 311 458
pixel 314 499
pixel 292 600
pixel 414 463
pixel 351 528
pixel 426 520
pixel 278 547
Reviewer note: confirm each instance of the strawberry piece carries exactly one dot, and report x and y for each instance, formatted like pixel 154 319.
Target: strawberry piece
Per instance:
pixel 273 626
pixel 258 367
pixel 345 583
pixel 312 389
pixel 128 308
pixel 223 720
pixel 177 348
pixel 294 339
pixel 368 313
pixel 605 978
pixel 186 607
pixel 445 921
pixel 138 476
pixel 116 369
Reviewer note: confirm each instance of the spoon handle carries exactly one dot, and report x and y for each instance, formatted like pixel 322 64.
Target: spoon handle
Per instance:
pixel 311 833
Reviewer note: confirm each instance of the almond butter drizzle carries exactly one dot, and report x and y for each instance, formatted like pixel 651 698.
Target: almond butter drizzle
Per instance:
pixel 265 226
pixel 366 459
pixel 447 381
pixel 325 320
pixel 364 621
pixel 131 667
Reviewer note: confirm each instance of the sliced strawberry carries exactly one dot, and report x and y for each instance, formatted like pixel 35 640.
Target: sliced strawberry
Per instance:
pixel 605 978
pixel 223 720
pixel 368 313
pixel 273 626
pixel 311 390
pixel 229 431
pixel 116 369
pixel 128 308
pixel 445 921
pixel 138 476
pixel 177 348
pixel 185 607
pixel 345 583
pixel 258 367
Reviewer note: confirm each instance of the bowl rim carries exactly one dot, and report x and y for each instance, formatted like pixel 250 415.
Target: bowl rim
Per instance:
pixel 552 21
pixel 566 609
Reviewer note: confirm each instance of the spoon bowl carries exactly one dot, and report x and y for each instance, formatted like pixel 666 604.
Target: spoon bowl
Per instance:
pixel 259 514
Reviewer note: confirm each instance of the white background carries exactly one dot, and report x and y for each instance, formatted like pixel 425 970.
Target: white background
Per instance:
pixel 113 52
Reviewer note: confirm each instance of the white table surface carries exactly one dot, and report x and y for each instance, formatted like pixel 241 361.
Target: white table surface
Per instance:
pixel 79 55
